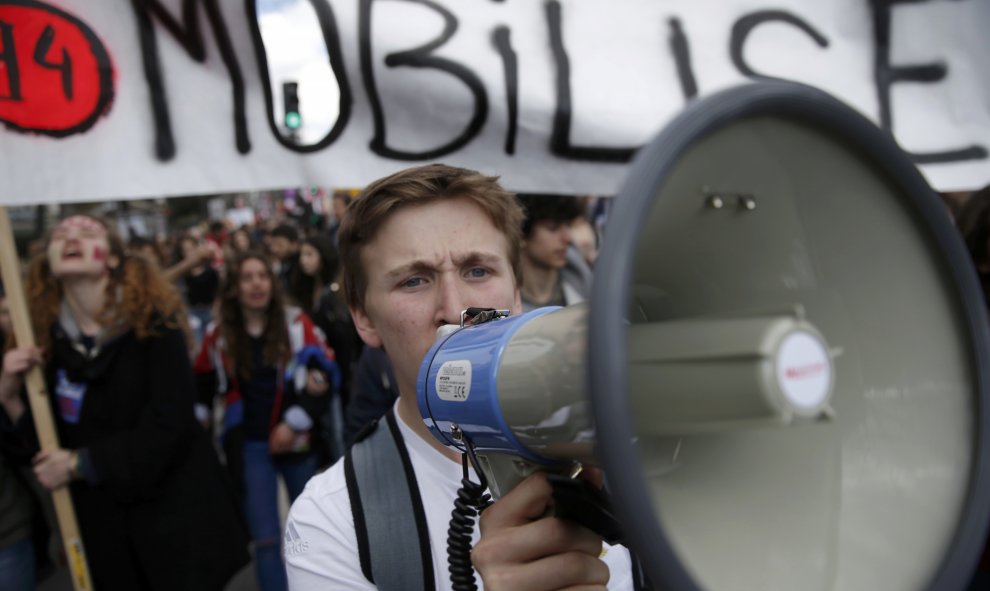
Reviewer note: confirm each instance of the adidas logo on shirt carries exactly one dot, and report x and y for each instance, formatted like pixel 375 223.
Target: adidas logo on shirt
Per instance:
pixel 294 544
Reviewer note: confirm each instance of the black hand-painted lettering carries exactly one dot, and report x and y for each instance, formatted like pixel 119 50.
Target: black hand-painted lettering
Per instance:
pixel 420 57
pixel 8 59
pixel 682 59
pixel 745 25
pixel 164 140
pixel 886 75
pixel 331 38
pixel 41 50
pixel 229 57
pixel 190 36
pixel 510 64
pixel 560 140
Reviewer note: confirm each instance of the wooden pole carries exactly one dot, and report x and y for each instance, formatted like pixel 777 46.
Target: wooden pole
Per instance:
pixel 44 424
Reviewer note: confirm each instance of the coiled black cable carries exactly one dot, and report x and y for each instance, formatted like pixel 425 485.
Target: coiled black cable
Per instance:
pixel 471 501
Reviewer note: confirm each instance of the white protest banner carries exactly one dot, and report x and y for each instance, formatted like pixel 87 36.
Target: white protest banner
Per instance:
pixel 109 100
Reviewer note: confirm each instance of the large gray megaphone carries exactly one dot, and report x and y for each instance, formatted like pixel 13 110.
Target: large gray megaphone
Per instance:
pixel 786 349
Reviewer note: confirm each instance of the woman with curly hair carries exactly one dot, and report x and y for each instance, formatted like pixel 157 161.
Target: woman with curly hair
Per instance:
pixel 275 373
pixel 149 492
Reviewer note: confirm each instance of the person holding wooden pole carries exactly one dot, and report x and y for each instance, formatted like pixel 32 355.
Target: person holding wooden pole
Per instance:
pixel 18 509
pixel 152 505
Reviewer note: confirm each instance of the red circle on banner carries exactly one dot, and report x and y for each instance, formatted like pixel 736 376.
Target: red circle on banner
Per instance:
pixel 55 74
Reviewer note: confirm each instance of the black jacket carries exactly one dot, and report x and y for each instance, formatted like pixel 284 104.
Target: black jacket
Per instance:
pixel 155 511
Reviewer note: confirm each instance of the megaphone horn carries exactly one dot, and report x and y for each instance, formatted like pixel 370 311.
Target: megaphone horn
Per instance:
pixel 891 492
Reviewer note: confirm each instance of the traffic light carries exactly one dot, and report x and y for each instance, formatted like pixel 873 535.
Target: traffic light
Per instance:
pixel 290 95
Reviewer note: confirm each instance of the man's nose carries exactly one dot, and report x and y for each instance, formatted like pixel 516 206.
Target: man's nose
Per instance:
pixel 450 302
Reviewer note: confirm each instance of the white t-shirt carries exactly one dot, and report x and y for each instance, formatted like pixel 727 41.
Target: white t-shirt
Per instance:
pixel 321 546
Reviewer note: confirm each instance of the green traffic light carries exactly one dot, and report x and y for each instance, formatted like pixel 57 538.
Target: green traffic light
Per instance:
pixel 293 120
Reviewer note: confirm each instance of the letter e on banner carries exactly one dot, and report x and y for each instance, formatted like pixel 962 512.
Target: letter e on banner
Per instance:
pixel 55 74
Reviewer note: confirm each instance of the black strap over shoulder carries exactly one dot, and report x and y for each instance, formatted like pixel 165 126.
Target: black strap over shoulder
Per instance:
pixel 389 520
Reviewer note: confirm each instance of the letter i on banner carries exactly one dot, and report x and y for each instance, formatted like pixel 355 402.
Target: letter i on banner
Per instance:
pixel 40 405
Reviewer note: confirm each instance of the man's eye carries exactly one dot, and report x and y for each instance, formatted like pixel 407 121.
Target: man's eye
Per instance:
pixel 413 282
pixel 478 272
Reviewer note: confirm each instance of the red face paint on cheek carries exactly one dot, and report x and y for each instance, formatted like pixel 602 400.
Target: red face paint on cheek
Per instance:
pixel 99 254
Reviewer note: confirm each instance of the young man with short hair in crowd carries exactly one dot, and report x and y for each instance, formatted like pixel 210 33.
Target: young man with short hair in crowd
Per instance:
pixel 553 272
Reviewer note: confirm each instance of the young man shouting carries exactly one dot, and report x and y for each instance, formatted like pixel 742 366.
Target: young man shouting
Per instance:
pixel 417 248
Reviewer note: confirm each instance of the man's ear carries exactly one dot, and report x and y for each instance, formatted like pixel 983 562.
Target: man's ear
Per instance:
pixel 365 327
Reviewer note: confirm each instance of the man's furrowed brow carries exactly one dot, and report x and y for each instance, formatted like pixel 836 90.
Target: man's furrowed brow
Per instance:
pixel 477 258
pixel 424 266
pixel 412 268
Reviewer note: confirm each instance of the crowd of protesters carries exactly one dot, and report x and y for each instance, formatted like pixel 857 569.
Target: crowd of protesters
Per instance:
pixel 188 376
pixel 117 329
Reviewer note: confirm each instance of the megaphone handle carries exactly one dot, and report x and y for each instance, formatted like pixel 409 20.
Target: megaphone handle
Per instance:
pixel 582 502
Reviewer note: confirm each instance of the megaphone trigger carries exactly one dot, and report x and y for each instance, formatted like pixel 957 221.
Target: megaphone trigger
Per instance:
pixel 580 501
